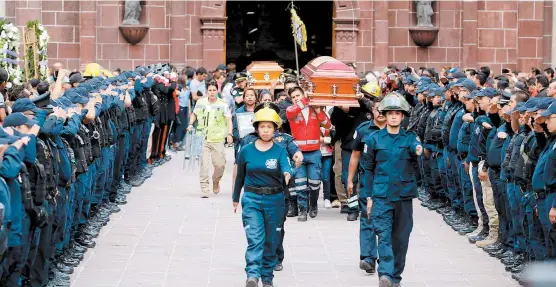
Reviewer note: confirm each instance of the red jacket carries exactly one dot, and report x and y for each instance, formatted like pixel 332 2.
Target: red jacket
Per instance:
pixel 306 135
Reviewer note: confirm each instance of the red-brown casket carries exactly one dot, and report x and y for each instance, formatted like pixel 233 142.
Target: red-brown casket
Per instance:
pixel 329 82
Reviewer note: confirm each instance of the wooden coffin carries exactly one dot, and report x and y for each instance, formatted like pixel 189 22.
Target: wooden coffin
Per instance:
pixel 263 73
pixel 329 82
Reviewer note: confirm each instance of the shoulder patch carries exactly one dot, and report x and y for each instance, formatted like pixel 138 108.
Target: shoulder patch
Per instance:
pixel 279 139
pixel 554 146
pixel 355 135
pixel 365 148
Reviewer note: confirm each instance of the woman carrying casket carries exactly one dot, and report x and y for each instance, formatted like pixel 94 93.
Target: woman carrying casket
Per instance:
pixel 262 171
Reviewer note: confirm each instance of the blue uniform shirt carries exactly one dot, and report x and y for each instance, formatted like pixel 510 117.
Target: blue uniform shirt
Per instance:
pixel 495 146
pixel 464 137
pixel 549 176
pixel 455 129
pixel 256 168
pixel 389 168
pixel 474 142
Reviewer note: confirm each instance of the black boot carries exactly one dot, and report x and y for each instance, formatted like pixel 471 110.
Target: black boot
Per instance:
pixel 292 209
pixel 302 217
pixel 313 203
pixel 352 216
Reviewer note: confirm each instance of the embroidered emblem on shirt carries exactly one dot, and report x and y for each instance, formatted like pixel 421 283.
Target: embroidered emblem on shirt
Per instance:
pixel 271 163
pixel 279 139
pixel 365 148
pixel 477 130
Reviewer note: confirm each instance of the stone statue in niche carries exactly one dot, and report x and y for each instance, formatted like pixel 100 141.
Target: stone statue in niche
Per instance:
pixel 132 12
pixel 424 13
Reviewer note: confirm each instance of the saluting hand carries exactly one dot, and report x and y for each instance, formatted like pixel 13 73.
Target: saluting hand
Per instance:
pixel 287 177
pixel 419 150
pixel 235 206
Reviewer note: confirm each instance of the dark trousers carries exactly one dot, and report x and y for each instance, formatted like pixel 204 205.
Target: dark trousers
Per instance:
pixel 119 160
pixel 158 147
pixel 180 129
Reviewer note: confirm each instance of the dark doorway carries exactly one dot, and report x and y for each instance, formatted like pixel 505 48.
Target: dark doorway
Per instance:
pixel 261 31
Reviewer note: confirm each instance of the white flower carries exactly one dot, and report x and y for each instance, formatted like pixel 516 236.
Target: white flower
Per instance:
pixel 8 85
pixel 17 81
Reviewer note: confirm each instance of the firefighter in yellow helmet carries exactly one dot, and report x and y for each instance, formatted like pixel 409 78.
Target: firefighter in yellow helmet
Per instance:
pixel 263 169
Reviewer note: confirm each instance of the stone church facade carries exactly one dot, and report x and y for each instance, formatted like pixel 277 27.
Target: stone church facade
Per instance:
pixel 373 34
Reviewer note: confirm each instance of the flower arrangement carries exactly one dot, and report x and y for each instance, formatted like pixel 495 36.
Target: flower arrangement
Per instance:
pixel 42 45
pixel 9 49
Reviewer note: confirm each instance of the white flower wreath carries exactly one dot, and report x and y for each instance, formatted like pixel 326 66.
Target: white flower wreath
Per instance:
pixel 9 51
pixel 42 39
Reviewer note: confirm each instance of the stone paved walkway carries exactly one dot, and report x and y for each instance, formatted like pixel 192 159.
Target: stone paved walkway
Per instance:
pixel 167 236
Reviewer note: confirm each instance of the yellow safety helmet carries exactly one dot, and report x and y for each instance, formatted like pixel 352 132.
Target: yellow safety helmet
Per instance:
pixel 92 70
pixel 267 112
pixel 371 89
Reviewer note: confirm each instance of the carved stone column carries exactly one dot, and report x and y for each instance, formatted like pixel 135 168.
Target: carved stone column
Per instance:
pixel 214 41
pixel 346 30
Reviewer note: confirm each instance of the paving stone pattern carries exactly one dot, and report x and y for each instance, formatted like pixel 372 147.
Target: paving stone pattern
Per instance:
pixel 167 236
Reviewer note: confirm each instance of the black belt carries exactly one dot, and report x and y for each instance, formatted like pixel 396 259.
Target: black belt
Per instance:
pixel 264 190
pixel 544 193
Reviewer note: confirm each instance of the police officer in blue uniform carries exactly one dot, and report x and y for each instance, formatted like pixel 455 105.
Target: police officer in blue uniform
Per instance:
pixel 262 171
pixel 390 155
pixel 367 236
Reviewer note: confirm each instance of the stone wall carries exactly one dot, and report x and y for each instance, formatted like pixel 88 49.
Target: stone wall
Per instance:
pixel 514 34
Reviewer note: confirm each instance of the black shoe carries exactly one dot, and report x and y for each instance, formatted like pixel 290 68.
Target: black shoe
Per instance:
pixel 67 261
pixel 279 267
pixel 77 247
pixel 267 284
pixel 302 215
pixel 313 211
pixel 252 282
pixel 120 200
pixel 493 247
pixel 384 281
pixel 498 252
pixel 63 268
pixel 352 216
pixel 84 241
pixel 466 229
pixel 481 236
pixel 57 274
pixel 344 208
pixel 89 231
pixel 59 282
pixel 367 266
pixel 292 210
pixel 76 255
pixel 518 268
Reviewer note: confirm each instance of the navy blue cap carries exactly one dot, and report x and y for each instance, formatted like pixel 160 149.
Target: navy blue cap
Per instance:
pixel 409 80
pixel 438 91
pixel 517 108
pixel 457 75
pixel 42 100
pixel 18 119
pixel 23 105
pixel 488 92
pixel 531 103
pixel 453 70
pixel 542 104
pixel 423 84
pixel 472 95
pixel 453 84
pixel 468 84
pixel 550 110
